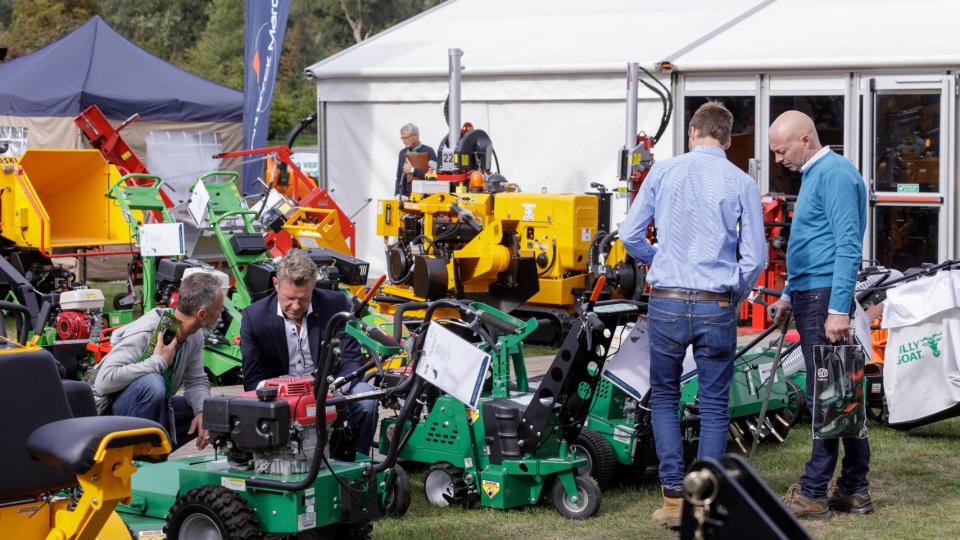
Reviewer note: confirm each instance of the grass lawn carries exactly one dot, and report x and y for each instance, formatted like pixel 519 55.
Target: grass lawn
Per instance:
pixel 914 483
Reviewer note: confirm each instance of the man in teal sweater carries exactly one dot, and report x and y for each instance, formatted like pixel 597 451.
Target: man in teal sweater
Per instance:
pixel 823 259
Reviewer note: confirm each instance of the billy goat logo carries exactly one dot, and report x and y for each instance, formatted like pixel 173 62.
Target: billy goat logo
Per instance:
pixel 934 343
pixel 912 351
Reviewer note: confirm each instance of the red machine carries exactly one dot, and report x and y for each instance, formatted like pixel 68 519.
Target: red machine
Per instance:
pixel 288 179
pixel 298 393
pixel 777 214
pixel 73 325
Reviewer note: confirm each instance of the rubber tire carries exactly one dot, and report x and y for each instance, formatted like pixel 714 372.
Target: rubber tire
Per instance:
pixel 233 517
pixel 801 399
pixel 398 499
pixel 459 497
pixel 587 486
pixel 602 457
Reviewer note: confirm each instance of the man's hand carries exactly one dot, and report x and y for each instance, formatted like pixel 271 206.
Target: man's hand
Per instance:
pixel 778 310
pixel 197 426
pixel 167 351
pixel 837 328
pixel 407 166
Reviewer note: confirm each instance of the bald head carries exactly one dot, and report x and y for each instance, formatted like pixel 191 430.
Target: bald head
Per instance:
pixel 793 139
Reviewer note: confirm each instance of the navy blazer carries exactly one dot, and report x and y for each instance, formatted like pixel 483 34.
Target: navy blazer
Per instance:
pixel 263 338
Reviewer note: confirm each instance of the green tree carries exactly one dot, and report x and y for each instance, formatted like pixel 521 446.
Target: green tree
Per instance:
pixel 166 28
pixel 218 53
pixel 35 23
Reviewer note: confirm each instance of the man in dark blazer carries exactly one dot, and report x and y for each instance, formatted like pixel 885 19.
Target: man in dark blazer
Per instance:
pixel 281 334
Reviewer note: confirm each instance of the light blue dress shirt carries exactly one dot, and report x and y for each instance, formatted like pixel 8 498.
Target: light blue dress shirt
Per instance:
pixel 704 209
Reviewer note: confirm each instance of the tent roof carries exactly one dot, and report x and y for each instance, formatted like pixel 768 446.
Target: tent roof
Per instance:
pixel 833 34
pixel 501 37
pixel 96 65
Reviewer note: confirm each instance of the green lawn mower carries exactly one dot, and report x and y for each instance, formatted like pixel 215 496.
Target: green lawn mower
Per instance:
pixel 514 448
pixel 270 473
pixel 619 429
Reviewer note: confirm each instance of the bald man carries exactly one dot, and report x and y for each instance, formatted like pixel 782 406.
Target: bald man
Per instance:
pixel 823 259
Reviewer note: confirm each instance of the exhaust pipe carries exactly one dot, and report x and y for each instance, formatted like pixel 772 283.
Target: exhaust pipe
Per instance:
pixel 453 120
pixel 633 93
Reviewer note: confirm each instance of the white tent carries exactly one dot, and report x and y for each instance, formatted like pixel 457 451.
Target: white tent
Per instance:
pixel 546 80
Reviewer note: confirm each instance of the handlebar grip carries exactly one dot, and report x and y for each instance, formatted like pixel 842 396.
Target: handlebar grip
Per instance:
pixel 598 288
pixel 366 298
pixel 497 323
pixel 381 337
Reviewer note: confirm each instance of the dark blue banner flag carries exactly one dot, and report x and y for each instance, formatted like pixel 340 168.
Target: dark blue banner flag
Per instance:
pixel 266 21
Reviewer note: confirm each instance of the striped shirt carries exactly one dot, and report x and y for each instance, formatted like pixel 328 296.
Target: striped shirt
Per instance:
pixel 705 210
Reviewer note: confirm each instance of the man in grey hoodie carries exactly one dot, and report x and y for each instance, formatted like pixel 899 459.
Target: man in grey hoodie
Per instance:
pixel 128 386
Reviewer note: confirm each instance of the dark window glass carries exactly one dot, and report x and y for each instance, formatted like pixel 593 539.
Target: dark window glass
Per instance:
pixel 742 135
pixel 907 145
pixel 827 114
pixel 906 236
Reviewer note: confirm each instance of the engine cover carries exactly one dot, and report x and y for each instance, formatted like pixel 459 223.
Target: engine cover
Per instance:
pixel 73 325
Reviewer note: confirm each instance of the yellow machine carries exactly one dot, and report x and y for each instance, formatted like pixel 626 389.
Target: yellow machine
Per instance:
pixel 506 249
pixel 66 469
pixel 54 199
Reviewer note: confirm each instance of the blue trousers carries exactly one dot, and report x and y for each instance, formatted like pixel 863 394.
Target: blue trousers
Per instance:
pixel 146 397
pixel 810 310
pixel 362 418
pixel 711 329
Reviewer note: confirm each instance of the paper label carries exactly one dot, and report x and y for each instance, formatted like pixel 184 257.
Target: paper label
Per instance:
pixel 585 234
pixel 236 484
pixel 151 535
pixel 528 209
pixel 491 488
pixel 306 521
pixel 621 435
pixel 467 463
pixel 312 410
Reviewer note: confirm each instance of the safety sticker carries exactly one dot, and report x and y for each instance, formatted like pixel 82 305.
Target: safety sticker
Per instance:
pixel 585 234
pixel 236 484
pixel 310 492
pixel 621 435
pixel 467 463
pixel 311 410
pixel 528 209
pixel 472 415
pixel 151 535
pixel 306 521
pixel 491 488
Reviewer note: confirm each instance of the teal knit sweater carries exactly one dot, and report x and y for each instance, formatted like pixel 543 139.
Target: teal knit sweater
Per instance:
pixel 826 234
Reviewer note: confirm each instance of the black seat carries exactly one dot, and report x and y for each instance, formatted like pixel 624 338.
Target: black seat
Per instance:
pixel 32 396
pixel 80 398
pixel 72 443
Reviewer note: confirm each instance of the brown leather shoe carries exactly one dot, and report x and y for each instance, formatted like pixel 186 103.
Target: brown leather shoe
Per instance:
pixel 669 514
pixel 841 501
pixel 802 507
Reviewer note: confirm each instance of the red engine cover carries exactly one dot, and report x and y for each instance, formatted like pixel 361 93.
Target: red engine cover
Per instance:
pixel 73 325
pixel 298 393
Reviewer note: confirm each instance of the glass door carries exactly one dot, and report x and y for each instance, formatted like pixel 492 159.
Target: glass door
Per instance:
pixel 739 95
pixel 906 153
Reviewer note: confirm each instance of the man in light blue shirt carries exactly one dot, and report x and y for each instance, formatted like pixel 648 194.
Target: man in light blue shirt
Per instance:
pixel 706 210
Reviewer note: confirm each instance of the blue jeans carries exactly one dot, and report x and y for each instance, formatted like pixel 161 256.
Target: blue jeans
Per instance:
pixel 362 418
pixel 810 311
pixel 711 328
pixel 146 397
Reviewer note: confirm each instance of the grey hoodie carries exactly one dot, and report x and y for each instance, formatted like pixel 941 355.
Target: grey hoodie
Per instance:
pixel 120 368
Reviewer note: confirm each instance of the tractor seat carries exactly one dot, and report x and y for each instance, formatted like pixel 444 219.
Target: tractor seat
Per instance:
pixel 72 444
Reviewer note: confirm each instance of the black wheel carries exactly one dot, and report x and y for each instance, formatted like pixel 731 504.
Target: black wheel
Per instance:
pixel 352 531
pixel 601 460
pixel 398 497
pixel 796 404
pixel 587 503
pixel 444 486
pixel 211 513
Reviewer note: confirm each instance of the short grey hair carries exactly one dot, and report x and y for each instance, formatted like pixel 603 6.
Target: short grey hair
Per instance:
pixel 297 268
pixel 409 129
pixel 198 291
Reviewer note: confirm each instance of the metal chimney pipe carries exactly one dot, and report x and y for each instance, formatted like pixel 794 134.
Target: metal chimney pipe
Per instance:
pixel 454 119
pixel 633 84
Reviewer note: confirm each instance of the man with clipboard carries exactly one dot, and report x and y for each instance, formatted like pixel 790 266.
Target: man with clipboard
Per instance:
pixel 414 160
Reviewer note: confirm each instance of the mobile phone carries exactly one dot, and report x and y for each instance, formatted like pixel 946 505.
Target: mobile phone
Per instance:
pixel 168 335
